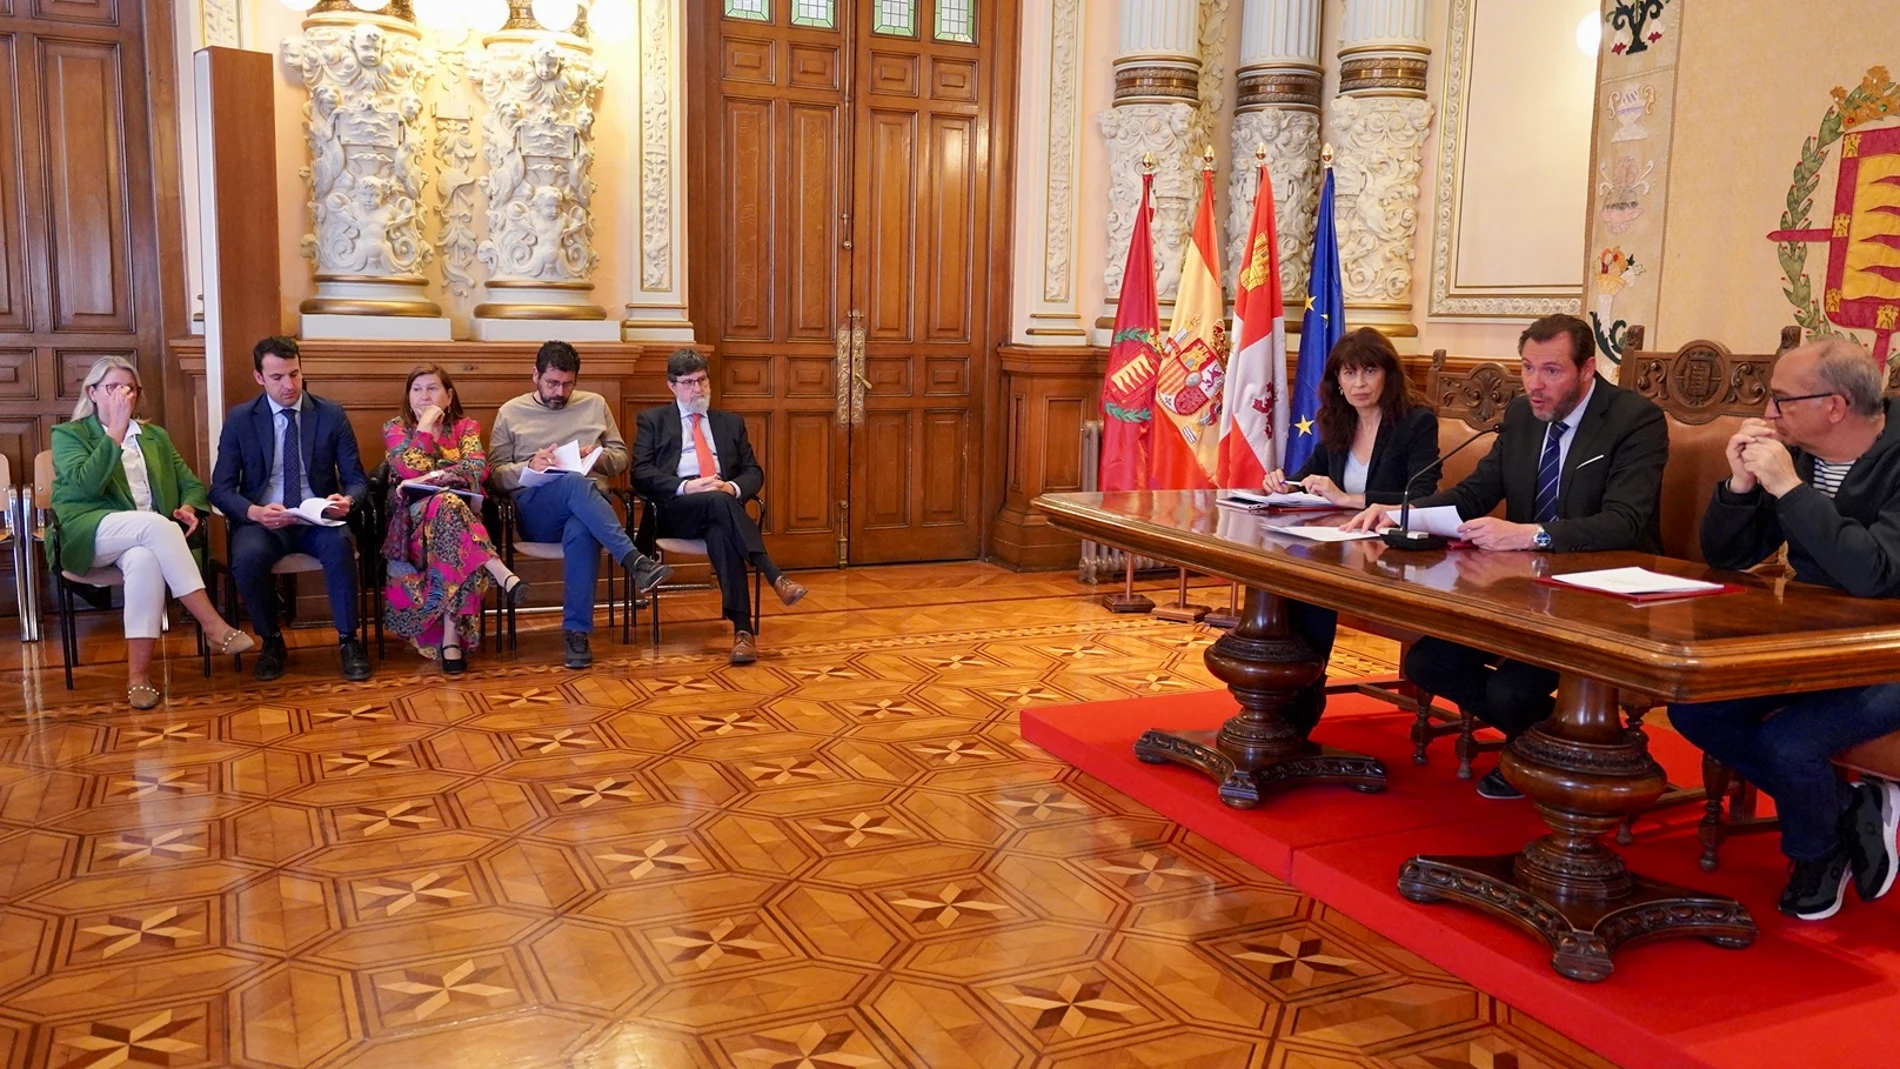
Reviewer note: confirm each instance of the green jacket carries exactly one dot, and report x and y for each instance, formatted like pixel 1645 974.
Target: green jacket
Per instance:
pixel 89 483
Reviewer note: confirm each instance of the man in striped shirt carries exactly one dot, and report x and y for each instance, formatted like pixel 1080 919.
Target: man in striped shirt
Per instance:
pixel 1820 474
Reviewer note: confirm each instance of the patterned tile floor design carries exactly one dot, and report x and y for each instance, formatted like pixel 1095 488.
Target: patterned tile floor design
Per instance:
pixel 843 857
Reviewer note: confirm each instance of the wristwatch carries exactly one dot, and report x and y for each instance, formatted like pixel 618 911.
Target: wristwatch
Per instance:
pixel 1540 540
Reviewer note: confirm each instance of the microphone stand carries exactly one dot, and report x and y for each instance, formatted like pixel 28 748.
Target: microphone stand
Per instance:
pixel 1403 537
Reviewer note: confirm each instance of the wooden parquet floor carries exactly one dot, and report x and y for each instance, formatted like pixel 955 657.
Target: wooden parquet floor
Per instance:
pixel 842 857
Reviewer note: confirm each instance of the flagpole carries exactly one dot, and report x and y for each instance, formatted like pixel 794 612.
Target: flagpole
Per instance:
pixel 1128 601
pixel 1229 618
pixel 1181 611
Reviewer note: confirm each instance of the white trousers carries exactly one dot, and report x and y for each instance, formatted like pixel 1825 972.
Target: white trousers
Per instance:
pixel 151 553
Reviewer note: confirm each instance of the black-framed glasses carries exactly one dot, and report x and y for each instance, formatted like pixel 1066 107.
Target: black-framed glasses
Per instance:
pixel 1778 401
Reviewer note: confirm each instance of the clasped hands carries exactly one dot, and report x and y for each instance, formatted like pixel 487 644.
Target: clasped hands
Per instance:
pixel 1756 457
pixel 707 484
pixel 1485 532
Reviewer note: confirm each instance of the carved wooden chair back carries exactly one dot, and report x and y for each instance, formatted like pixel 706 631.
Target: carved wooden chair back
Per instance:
pixel 1467 401
pixel 1706 392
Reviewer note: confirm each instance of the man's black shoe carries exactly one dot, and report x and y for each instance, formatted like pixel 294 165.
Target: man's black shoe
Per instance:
pixel 1867 830
pixel 270 660
pixel 648 573
pixel 1817 888
pixel 1495 787
pixel 355 661
pixel 579 653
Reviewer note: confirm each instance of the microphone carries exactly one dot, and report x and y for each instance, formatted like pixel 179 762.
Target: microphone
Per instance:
pixel 1406 538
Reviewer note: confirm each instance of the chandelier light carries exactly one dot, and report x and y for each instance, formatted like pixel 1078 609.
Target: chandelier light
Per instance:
pixel 556 15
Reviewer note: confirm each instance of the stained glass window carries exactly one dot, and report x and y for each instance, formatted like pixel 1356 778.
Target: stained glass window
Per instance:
pixel 898 17
pixel 756 10
pixel 956 21
pixel 815 13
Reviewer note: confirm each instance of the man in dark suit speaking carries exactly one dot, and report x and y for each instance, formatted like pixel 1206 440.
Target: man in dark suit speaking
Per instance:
pixel 277 452
pixel 695 463
pixel 1578 464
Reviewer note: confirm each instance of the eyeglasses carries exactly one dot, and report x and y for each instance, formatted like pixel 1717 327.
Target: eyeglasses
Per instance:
pixel 1778 402
pixel 697 382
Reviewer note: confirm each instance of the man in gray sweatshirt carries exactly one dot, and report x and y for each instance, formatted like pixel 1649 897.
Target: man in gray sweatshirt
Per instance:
pixel 568 508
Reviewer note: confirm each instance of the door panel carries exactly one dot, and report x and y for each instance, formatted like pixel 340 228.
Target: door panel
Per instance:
pixel 90 247
pixel 856 257
pixel 13 302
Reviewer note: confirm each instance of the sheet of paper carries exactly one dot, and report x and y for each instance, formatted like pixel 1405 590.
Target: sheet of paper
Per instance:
pixel 568 458
pixel 311 512
pixel 1254 498
pixel 531 477
pixel 1441 520
pixel 1634 581
pixel 1322 534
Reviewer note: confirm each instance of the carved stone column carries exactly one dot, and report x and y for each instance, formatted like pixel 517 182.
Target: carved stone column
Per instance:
pixel 364 127
pixel 1278 107
pixel 540 88
pixel 657 311
pixel 1157 78
pixel 1379 123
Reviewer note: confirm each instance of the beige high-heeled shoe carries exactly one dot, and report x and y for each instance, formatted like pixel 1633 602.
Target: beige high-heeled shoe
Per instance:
pixel 234 643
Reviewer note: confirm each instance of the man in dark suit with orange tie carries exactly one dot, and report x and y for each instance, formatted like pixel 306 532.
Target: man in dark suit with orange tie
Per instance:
pixel 695 464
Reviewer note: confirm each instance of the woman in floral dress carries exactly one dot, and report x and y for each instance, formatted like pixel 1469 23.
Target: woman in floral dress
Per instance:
pixel 441 560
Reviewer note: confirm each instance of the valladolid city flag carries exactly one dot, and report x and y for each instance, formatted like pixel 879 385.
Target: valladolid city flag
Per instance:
pixel 1128 390
pixel 1255 402
pixel 1193 364
pixel 1320 329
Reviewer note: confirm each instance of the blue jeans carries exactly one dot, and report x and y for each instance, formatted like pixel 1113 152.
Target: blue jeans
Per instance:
pixel 571 510
pixel 255 549
pixel 1786 754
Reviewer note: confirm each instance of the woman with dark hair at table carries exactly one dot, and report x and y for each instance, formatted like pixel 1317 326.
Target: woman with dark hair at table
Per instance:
pixel 1374 437
pixel 441 560
pixel 125 498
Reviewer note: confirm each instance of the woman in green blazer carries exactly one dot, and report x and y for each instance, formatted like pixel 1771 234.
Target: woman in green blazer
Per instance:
pixel 120 493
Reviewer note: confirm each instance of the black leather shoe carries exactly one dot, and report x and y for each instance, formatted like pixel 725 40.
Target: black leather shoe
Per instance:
pixel 579 653
pixel 648 573
pixel 270 660
pixel 1495 787
pixel 456 665
pixel 355 661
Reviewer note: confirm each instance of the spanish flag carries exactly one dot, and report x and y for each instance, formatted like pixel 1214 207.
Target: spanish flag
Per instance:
pixel 1189 384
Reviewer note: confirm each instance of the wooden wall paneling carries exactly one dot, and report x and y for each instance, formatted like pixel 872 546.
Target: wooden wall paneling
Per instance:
pixel 89 242
pixel 1049 392
pixel 247 278
pixel 91 12
pixel 15 304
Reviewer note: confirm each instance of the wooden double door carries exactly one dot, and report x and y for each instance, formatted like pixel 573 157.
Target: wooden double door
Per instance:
pixel 849 222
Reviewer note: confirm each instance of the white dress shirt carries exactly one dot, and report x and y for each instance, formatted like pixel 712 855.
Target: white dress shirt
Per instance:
pixel 280 424
pixel 137 478
pixel 1570 427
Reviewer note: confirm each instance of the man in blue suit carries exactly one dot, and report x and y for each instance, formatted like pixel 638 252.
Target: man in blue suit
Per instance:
pixel 260 480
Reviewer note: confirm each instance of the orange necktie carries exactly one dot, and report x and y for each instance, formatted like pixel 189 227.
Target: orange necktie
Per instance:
pixel 703 448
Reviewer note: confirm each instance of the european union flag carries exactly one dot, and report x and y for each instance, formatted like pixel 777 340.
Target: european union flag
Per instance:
pixel 1321 327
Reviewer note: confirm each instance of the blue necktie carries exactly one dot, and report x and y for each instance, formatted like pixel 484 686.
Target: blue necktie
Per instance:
pixel 293 460
pixel 1549 469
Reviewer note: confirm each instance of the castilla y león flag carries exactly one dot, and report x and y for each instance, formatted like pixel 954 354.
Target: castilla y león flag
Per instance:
pixel 1128 390
pixel 1188 386
pixel 1255 402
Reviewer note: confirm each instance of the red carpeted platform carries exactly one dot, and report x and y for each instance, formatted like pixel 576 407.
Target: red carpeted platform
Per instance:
pixel 1804 994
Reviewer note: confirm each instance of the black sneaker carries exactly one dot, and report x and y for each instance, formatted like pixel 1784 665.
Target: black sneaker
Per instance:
pixel 1867 830
pixel 648 573
pixel 270 660
pixel 355 659
pixel 1495 787
pixel 1816 888
pixel 579 653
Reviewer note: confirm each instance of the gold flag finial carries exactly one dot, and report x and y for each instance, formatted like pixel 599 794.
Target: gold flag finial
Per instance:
pixel 1147 163
pixel 1207 158
pixel 1326 154
pixel 1260 153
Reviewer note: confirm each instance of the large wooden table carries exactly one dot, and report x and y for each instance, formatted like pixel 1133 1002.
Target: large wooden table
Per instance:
pixel 1583 769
